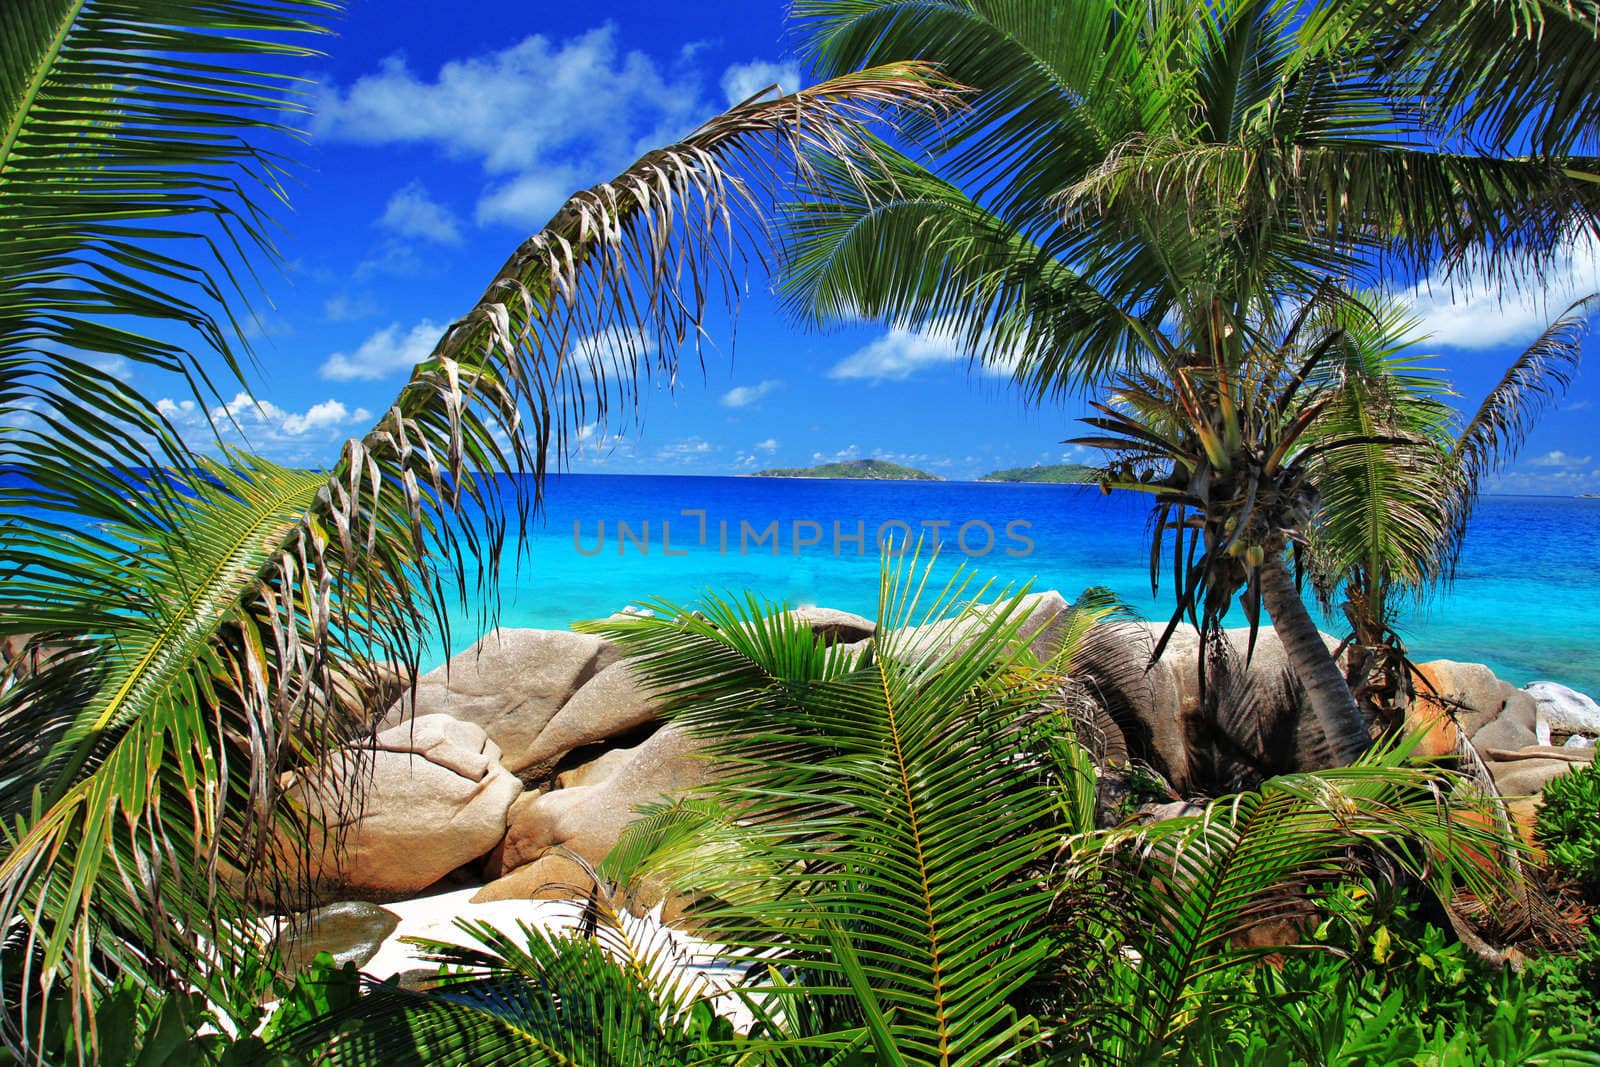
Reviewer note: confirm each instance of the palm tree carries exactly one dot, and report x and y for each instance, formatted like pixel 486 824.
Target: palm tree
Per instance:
pixel 1513 73
pixel 1389 525
pixel 1136 189
pixel 140 162
pixel 1230 449
pixel 202 627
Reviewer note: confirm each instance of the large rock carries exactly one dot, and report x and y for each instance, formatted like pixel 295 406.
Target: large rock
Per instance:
pixel 832 626
pixel 511 683
pixel 609 705
pixel 1041 627
pixel 1563 710
pixel 1158 705
pixel 1526 777
pixel 1513 728
pixel 588 819
pixel 436 798
pixel 596 770
pixel 351 931
pixel 1469 692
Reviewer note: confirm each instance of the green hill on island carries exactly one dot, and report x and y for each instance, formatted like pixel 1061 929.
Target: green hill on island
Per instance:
pixel 869 469
pixel 1064 473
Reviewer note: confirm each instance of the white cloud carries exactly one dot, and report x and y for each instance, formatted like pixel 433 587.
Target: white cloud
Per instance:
pixel 744 395
pixel 1559 458
pixel 528 199
pixel 385 353
pixel 411 212
pixel 327 415
pixel 686 451
pixel 769 445
pixel 263 426
pixel 743 80
pixel 1473 312
pixel 897 355
pixel 543 116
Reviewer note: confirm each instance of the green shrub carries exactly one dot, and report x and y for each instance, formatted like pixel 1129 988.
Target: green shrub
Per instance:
pixel 1568 828
pixel 1397 990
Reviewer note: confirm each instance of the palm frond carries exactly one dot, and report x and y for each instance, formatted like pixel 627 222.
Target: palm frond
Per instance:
pixel 893 793
pixel 355 566
pixel 1503 421
pixel 1197 883
pixel 135 195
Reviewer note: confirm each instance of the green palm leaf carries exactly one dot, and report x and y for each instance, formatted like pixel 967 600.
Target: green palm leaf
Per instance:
pixel 1197 883
pixel 134 194
pixel 899 798
pixel 264 604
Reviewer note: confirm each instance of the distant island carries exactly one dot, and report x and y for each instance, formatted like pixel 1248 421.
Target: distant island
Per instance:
pixel 868 469
pixel 1063 473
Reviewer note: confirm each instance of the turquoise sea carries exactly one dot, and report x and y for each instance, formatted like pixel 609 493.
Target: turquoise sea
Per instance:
pixel 1526 600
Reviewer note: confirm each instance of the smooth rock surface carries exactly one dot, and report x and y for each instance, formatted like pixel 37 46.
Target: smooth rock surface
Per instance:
pixel 351 931
pixel 596 770
pixel 1040 627
pixel 832 626
pixel 1525 777
pixel 608 705
pixel 1513 728
pixel 436 798
pixel 1470 691
pixel 588 819
pixel 511 683
pixel 1149 702
pixel 1563 710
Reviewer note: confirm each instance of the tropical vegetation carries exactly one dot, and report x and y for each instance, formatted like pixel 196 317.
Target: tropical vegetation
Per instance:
pixel 1174 205
pixel 1065 473
pixel 869 469
pixel 1173 196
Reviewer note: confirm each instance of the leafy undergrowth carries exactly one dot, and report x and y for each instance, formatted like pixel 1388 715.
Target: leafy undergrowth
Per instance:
pixel 1398 990
pixel 1569 832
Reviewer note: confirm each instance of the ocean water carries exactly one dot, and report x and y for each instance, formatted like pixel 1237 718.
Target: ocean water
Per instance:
pixel 1526 600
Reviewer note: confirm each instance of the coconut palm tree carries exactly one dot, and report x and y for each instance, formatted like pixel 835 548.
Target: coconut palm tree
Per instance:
pixel 192 629
pixel 1137 189
pixel 1519 74
pixel 1229 447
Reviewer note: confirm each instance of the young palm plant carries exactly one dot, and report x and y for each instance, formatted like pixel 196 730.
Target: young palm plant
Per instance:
pixel 195 632
pixel 898 798
pixel 1390 524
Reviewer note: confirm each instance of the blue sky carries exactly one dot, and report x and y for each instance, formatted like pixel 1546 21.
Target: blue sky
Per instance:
pixel 445 134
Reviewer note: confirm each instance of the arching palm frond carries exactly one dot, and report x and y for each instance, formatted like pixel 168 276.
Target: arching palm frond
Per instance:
pixel 135 191
pixel 1507 415
pixel 1512 72
pixel 902 810
pixel 279 593
pixel 909 248
pixel 187 675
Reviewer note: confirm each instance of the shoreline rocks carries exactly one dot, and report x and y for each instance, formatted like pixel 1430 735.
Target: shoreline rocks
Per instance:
pixel 524 758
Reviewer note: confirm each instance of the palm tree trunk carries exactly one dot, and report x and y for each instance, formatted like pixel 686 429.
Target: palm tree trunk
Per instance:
pixel 1328 699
